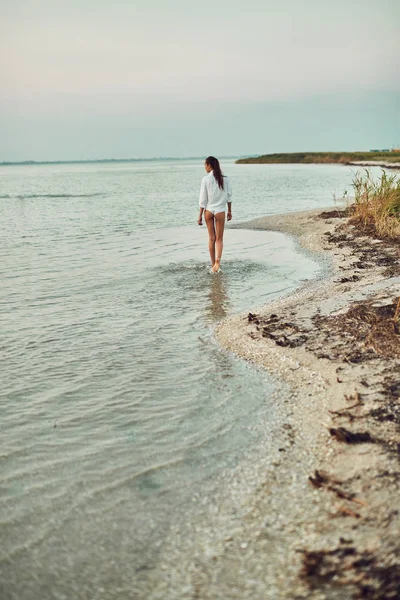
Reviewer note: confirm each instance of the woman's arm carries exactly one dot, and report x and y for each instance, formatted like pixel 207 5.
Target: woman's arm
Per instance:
pixel 202 201
pixel 229 194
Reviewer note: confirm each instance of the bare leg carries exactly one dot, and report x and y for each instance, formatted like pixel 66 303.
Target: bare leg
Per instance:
pixel 219 239
pixel 209 217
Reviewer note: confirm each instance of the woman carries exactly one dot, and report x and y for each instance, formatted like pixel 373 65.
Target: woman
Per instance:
pixel 215 194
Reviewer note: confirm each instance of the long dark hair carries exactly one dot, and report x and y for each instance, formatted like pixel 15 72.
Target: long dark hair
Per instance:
pixel 214 164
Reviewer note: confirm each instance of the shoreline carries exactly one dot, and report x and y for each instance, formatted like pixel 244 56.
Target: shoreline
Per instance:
pixel 383 165
pixel 385 159
pixel 314 513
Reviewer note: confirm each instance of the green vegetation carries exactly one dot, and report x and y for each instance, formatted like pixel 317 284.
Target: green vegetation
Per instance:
pixel 322 157
pixel 377 203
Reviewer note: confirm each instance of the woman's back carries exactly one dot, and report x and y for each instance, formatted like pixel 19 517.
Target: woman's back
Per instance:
pixel 216 196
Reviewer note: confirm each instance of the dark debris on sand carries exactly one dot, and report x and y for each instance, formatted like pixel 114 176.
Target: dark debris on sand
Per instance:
pixel 375 250
pixel 366 331
pixel 367 334
pixel 282 332
pixel 350 437
pixel 336 213
pixel 360 574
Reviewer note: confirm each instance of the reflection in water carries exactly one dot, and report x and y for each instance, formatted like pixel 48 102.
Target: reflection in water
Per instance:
pixel 218 300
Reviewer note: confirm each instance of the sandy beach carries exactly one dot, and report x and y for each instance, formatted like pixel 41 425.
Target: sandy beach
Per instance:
pixel 316 513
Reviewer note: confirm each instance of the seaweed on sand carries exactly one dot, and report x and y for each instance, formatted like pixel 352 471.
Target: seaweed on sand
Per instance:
pixel 362 573
pixel 365 331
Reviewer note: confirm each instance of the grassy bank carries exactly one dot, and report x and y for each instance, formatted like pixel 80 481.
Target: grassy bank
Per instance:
pixel 322 157
pixel 377 203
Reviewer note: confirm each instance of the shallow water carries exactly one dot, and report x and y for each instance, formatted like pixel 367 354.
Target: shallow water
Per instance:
pixel 117 405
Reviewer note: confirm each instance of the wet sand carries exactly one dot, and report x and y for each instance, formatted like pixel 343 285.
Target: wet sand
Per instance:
pixel 316 514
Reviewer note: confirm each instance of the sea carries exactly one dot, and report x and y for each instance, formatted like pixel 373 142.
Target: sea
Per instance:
pixel 118 407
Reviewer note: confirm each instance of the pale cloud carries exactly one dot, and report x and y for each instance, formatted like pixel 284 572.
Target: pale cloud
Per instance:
pixel 218 51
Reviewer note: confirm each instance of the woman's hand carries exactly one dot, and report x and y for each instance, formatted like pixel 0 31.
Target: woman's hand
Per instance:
pixel 200 219
pixel 229 216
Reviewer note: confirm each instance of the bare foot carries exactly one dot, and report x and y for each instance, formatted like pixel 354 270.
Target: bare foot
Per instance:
pixel 216 266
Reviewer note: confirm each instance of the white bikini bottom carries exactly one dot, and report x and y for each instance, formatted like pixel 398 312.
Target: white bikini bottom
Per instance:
pixel 217 209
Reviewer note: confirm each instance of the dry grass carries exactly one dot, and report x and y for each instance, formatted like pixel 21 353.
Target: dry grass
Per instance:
pixel 377 203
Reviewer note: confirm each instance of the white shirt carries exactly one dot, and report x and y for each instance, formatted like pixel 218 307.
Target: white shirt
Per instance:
pixel 212 198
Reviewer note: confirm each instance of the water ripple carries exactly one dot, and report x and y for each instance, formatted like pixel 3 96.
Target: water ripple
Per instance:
pixel 116 404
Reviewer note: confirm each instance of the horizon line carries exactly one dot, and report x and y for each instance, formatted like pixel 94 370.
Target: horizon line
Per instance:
pixel 111 160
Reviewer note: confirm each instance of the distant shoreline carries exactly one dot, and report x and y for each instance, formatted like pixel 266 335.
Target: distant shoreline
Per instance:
pixel 104 160
pixel 389 160
pixel 365 159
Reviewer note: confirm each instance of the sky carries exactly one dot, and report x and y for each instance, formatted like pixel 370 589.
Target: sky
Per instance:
pixel 87 79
